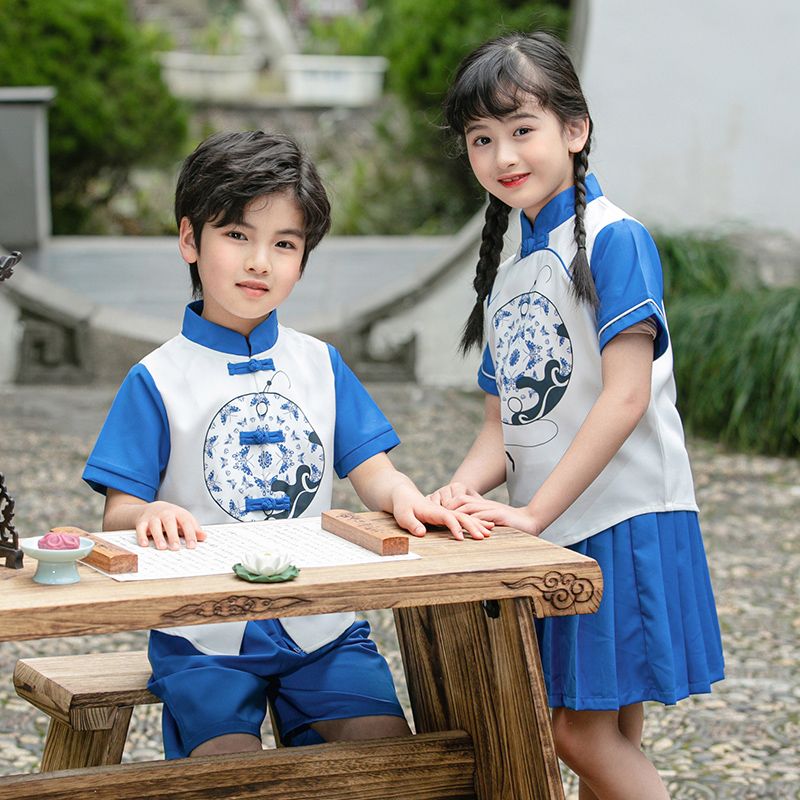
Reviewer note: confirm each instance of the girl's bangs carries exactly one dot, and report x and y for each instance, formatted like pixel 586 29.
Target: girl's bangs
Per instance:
pixel 494 89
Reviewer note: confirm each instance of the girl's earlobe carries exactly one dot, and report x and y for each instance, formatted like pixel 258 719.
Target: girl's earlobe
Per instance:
pixel 577 134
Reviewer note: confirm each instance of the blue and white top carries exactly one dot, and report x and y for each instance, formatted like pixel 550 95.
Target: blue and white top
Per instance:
pixel 543 359
pixel 236 428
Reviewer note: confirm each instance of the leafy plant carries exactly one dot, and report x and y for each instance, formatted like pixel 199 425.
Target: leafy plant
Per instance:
pixel 406 182
pixel 112 110
pixel 695 264
pixel 738 367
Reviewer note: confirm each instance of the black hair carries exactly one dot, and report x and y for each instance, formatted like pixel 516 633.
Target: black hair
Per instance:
pixel 494 81
pixel 229 170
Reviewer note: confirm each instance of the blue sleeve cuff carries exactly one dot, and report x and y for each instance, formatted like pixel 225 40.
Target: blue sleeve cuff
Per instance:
pixel 486 373
pixel 101 480
pixel 647 310
pixel 382 443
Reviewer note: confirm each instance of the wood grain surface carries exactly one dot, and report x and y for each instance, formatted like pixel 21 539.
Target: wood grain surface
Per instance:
pixel 370 534
pixel 106 556
pixel 428 767
pixel 509 564
pixel 469 671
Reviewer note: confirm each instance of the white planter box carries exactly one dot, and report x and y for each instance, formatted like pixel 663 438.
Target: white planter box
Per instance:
pixel 334 80
pixel 200 76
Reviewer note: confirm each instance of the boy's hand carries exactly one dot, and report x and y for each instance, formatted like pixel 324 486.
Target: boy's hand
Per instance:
pixel 165 524
pixel 411 510
pixel 446 494
pixel 501 514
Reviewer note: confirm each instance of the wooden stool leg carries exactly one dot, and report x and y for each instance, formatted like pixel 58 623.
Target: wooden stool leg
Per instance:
pixel 67 748
pixel 484 676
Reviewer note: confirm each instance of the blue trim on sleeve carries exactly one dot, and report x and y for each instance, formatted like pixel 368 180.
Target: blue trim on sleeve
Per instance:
pixel 627 274
pixel 133 447
pixel 382 443
pixel 487 379
pixel 362 430
pixel 643 312
pixel 103 479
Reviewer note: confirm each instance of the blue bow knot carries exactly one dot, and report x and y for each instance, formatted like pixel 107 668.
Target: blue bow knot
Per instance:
pixel 267 503
pixel 261 437
pixel 253 365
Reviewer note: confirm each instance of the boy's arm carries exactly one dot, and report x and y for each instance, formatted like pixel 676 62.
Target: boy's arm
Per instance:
pixel 484 466
pixel 164 522
pixel 382 488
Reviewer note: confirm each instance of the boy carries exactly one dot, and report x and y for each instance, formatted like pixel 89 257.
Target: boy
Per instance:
pixel 241 418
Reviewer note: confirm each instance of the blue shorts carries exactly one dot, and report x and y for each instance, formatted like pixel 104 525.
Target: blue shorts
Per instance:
pixel 207 696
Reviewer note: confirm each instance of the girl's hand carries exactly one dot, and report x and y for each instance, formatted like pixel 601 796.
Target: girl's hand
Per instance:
pixel 447 494
pixel 411 510
pixel 499 513
pixel 165 524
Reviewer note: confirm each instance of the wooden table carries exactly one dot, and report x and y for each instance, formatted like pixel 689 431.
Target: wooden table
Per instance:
pixel 475 680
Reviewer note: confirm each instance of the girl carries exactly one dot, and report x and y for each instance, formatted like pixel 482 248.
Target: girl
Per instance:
pixel 580 415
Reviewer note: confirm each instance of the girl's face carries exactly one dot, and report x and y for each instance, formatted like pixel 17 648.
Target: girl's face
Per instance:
pixel 248 269
pixel 525 158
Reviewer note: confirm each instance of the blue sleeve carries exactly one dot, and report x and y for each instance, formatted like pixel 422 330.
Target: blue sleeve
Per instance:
pixel 487 379
pixel 132 449
pixel 627 274
pixel 362 430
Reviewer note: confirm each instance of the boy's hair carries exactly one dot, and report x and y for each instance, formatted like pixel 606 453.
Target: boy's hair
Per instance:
pixel 229 170
pixel 494 81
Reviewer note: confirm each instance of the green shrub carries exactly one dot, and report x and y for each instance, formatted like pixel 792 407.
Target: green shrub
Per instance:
pixel 737 367
pixel 406 183
pixel 694 264
pixel 112 110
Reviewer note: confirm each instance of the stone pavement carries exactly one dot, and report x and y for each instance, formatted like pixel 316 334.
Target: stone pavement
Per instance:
pixel 742 741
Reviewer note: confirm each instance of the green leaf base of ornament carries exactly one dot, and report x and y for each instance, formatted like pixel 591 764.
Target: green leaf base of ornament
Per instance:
pixel 289 574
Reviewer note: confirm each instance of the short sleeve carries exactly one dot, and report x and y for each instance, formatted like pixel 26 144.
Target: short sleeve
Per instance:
pixel 487 378
pixel 132 449
pixel 627 275
pixel 362 430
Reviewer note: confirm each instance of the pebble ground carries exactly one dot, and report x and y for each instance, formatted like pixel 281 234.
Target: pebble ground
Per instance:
pixel 742 741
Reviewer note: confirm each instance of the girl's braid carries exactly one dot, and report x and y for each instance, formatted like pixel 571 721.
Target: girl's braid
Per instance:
pixel 582 282
pixel 488 262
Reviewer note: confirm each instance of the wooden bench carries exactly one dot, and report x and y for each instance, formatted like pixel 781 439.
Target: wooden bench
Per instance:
pixel 89 699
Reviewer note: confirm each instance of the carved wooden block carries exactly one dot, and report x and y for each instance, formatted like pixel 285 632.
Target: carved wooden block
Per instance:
pixel 105 556
pixel 378 535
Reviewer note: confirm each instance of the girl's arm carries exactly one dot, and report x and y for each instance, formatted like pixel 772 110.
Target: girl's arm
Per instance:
pixel 484 466
pixel 627 364
pixel 164 522
pixel 382 488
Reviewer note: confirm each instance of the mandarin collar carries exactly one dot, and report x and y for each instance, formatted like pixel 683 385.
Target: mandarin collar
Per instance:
pixel 224 340
pixel 536 236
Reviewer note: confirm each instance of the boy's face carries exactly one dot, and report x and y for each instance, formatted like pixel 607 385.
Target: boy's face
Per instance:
pixel 247 270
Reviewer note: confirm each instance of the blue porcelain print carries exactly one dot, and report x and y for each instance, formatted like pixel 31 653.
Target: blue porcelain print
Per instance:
pixel 533 357
pixel 292 468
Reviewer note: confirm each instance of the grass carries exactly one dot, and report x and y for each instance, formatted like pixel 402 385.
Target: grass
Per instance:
pixel 737 367
pixel 736 348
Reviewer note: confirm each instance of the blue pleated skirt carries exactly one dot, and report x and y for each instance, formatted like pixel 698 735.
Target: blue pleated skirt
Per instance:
pixel 656 634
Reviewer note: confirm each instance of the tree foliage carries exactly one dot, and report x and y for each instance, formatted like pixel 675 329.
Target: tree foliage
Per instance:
pixel 112 110
pixel 425 40
pixel 409 182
